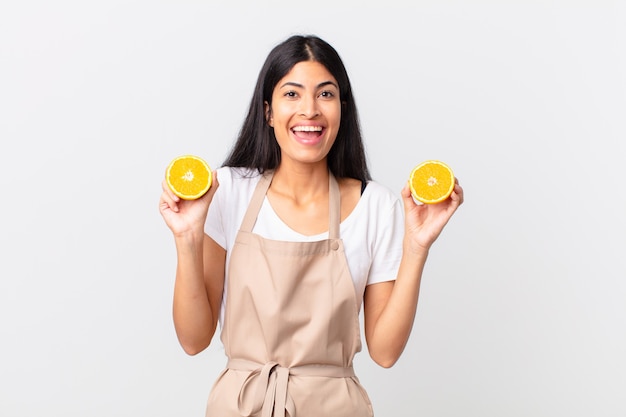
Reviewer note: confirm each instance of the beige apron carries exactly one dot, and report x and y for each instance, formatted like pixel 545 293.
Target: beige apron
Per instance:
pixel 291 326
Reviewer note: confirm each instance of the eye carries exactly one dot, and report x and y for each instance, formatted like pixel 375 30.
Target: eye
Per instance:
pixel 327 94
pixel 290 94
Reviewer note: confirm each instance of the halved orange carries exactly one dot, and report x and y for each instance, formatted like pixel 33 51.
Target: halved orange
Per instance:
pixel 431 182
pixel 189 177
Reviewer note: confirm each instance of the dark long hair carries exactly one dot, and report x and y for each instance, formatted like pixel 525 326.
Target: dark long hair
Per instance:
pixel 256 147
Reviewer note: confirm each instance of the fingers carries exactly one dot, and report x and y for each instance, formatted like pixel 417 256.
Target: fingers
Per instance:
pixel 450 204
pixel 407 198
pixel 406 191
pixel 214 185
pixel 168 198
pixel 457 194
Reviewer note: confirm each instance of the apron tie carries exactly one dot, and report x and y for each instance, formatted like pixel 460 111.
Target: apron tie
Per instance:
pixel 270 382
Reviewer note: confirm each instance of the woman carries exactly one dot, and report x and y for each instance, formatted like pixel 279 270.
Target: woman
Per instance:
pixel 291 240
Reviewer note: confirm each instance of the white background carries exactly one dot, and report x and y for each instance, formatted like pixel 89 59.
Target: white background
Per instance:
pixel 522 310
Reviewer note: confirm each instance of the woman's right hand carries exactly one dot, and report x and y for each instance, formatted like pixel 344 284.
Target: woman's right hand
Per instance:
pixel 184 216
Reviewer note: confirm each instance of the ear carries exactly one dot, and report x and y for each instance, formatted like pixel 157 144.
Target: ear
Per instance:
pixel 268 114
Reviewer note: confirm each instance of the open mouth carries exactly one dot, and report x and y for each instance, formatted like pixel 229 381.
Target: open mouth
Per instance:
pixel 307 133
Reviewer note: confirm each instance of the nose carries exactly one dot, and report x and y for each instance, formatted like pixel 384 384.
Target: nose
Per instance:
pixel 308 107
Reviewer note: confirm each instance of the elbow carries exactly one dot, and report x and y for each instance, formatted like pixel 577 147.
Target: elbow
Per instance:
pixel 386 363
pixel 192 348
pixel 384 354
pixel 193 342
pixel 384 360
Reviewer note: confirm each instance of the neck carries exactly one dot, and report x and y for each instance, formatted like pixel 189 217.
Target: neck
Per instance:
pixel 301 182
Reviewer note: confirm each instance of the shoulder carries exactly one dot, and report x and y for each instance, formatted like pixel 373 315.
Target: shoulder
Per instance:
pixel 228 174
pixel 377 208
pixel 377 194
pixel 236 186
pixel 372 190
pixel 236 181
pixel 372 200
pixel 380 207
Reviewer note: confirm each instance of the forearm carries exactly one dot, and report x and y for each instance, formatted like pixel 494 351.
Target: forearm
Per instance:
pixel 394 322
pixel 194 317
pixel 390 307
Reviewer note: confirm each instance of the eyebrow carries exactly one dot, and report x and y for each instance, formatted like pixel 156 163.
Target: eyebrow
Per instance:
pixel 320 85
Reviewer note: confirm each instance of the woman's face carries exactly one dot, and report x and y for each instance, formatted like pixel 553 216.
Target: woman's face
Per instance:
pixel 305 113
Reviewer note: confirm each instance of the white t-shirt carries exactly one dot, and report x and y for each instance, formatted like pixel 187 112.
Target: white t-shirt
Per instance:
pixel 372 234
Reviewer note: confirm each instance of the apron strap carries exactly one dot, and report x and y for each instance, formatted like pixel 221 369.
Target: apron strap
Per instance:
pixel 334 204
pixel 256 202
pixel 334 207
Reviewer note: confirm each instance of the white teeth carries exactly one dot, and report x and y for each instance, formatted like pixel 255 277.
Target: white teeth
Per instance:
pixel 307 129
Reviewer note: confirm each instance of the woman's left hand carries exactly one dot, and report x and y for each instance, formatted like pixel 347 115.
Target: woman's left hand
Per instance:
pixel 424 222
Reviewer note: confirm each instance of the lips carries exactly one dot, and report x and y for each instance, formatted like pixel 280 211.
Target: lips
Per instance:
pixel 308 134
